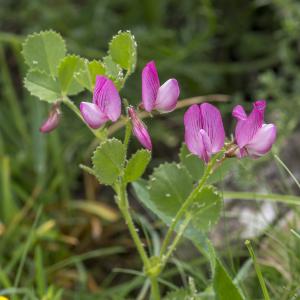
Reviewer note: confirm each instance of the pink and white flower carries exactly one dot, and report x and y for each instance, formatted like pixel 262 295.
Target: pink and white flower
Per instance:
pixel 53 119
pixel 139 129
pixel 106 104
pixel 253 137
pixel 154 96
pixel 204 131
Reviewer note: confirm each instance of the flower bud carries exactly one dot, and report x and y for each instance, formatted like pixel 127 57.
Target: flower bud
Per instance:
pixel 53 119
pixel 139 129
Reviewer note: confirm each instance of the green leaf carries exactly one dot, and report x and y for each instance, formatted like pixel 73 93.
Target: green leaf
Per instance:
pixel 122 49
pixel 86 77
pixel 137 165
pixel 43 86
pixel 206 209
pixel 224 287
pixel 68 67
pixel 180 294
pixel 40 277
pixel 112 69
pixel 222 171
pixel 193 163
pixel 108 161
pixel 196 166
pixel 169 185
pixel 142 190
pixel 43 51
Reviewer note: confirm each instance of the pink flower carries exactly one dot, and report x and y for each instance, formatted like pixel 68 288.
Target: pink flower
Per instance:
pixel 139 129
pixel 252 135
pixel 53 119
pixel 155 97
pixel 106 104
pixel 204 131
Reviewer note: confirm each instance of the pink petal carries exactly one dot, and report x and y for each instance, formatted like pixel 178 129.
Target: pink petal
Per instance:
pixel 107 97
pixel 207 146
pixel 167 96
pixel 193 126
pixel 92 114
pixel 150 86
pixel 196 139
pixel 262 141
pixel 139 129
pixel 212 124
pixel 239 113
pixel 52 121
pixel 246 129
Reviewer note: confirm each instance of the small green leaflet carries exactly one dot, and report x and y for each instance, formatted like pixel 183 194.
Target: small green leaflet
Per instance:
pixel 122 49
pixel 108 161
pixel 43 51
pixel 137 165
pixel 43 86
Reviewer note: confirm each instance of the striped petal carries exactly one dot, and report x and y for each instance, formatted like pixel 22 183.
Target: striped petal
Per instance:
pixel 139 129
pixel 150 86
pixel 212 124
pixel 107 97
pixel 247 128
pixel 201 132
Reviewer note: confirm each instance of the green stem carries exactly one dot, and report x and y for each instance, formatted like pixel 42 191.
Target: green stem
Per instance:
pixel 155 294
pixel 258 271
pixel 124 208
pixel 127 134
pixel 176 240
pixel 187 203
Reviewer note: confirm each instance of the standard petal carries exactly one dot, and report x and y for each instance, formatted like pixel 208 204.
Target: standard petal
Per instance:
pixel 107 97
pixel 262 141
pixel 211 122
pixel 100 82
pixel 246 129
pixel 239 113
pixel 150 86
pixel 192 125
pixel 139 129
pixel 167 96
pixel 92 114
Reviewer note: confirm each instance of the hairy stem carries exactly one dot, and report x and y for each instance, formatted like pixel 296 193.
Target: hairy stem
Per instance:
pixel 155 294
pixel 124 208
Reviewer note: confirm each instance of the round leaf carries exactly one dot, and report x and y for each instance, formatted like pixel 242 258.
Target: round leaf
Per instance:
pixel 86 77
pixel 194 164
pixel 122 49
pixel 170 184
pixel 43 51
pixel 137 165
pixel 43 86
pixel 206 209
pixel 67 69
pixel 108 161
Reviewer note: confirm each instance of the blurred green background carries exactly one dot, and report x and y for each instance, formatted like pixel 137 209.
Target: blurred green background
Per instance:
pixel 244 49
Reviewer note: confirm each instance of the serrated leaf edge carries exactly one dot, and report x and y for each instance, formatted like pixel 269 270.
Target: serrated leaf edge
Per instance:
pixel 42 72
pixel 99 147
pixel 132 37
pixel 39 34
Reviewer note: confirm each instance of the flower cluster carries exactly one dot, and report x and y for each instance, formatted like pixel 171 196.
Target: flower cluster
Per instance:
pixel 204 130
pixel 205 135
